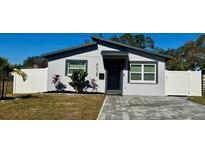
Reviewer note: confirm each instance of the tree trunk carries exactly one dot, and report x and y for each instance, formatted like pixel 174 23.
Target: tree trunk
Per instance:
pixel 76 90
pixel 0 84
pixel 6 88
pixel 2 92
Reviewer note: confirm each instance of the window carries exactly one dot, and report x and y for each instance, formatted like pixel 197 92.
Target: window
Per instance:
pixel 75 65
pixel 142 73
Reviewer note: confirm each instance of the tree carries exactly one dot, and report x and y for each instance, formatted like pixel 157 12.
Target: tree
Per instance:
pixel 6 69
pixel 138 40
pixel 193 54
pixel 201 41
pixel 159 50
pixel 190 56
pixel 35 61
pixel 176 62
pixel 79 82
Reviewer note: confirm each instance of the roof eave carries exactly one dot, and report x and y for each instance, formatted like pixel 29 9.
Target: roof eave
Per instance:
pixel 46 55
pixel 130 47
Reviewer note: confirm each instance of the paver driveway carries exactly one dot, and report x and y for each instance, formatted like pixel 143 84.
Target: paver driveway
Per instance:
pixel 148 107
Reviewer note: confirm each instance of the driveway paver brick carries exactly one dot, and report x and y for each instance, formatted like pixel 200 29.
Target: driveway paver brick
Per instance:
pixel 150 108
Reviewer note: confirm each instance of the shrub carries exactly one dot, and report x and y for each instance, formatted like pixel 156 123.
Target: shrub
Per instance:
pixel 58 84
pixel 93 85
pixel 78 81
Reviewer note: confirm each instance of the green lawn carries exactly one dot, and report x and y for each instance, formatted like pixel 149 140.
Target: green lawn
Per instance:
pixel 51 107
pixel 200 100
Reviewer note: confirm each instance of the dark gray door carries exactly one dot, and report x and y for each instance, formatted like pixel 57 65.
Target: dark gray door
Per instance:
pixel 113 80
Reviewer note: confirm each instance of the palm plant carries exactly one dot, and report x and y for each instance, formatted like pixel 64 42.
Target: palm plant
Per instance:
pixel 78 81
pixel 6 69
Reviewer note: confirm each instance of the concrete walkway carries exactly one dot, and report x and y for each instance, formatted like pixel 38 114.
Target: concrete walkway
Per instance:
pixel 150 108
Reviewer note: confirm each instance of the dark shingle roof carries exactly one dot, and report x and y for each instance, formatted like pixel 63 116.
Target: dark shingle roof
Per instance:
pixel 96 40
pixel 68 49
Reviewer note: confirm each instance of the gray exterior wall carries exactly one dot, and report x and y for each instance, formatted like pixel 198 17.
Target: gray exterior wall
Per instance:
pixel 94 57
pixel 56 65
pixel 150 89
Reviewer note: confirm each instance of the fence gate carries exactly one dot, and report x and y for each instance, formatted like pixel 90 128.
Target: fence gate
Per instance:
pixel 183 83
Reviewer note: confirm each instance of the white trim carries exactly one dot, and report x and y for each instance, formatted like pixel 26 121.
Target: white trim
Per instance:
pixel 74 68
pixel 101 108
pixel 146 81
pixel 142 74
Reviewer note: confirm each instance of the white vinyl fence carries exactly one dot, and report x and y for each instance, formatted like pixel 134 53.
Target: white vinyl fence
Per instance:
pixel 36 81
pixel 183 83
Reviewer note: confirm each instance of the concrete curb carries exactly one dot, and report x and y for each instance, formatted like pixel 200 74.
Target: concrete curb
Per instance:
pixel 101 108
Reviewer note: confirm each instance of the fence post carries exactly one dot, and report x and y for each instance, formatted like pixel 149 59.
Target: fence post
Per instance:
pixel 188 73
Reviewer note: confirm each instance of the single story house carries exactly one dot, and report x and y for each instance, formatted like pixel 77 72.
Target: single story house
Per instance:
pixel 117 68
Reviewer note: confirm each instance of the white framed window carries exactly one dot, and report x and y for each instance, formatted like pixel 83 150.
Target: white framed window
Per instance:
pixel 75 65
pixel 143 73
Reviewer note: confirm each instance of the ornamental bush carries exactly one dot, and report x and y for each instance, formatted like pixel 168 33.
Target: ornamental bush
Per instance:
pixel 79 83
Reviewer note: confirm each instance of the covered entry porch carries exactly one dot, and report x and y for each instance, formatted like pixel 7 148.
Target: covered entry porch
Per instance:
pixel 114 64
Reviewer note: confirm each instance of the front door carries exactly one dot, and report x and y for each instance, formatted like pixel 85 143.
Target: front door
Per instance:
pixel 113 78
